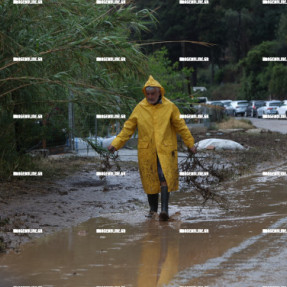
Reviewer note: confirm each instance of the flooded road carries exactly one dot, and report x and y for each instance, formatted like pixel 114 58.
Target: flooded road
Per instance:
pixel 150 253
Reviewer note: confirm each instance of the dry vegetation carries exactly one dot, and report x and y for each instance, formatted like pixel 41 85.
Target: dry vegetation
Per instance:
pixel 233 123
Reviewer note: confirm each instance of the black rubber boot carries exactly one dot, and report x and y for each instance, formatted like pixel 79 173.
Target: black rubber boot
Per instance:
pixel 153 203
pixel 164 203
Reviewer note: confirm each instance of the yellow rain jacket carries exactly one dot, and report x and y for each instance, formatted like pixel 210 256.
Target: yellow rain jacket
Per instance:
pixel 157 128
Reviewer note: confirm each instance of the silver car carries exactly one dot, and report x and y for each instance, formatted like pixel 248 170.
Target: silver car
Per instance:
pixel 282 110
pixel 239 107
pixel 229 110
pixel 269 108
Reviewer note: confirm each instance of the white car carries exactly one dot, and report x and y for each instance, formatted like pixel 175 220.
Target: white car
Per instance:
pixel 226 101
pixel 282 109
pixel 239 107
pixel 269 108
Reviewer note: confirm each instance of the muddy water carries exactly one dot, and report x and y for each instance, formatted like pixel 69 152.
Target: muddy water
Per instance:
pixel 150 253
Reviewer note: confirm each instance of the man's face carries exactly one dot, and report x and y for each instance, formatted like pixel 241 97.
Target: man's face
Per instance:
pixel 152 95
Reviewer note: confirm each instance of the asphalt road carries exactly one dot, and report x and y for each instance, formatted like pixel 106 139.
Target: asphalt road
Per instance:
pixel 274 125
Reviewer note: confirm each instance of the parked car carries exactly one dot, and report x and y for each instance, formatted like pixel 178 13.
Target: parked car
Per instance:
pixel 201 100
pixel 226 101
pixel 252 108
pixel 269 108
pixel 229 110
pixel 201 89
pixel 217 103
pixel 240 107
pixel 282 109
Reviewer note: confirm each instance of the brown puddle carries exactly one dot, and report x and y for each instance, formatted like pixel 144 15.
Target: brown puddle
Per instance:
pixel 235 252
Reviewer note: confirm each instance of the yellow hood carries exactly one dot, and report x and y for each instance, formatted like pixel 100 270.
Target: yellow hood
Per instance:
pixel 151 82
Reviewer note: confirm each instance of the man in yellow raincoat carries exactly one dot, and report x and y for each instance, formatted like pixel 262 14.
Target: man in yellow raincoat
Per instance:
pixel 158 121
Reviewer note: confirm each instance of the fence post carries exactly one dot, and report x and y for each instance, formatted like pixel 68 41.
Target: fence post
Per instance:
pixel 71 121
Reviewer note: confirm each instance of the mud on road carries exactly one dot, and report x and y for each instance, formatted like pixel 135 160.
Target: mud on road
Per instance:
pixel 69 252
pixel 53 205
pixel 235 251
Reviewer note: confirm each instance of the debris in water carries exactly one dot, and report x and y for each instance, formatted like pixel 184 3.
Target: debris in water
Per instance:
pixel 105 157
pixel 204 184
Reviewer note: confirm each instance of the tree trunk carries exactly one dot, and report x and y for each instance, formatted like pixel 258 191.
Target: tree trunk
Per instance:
pixel 212 68
pixel 194 76
pixel 17 123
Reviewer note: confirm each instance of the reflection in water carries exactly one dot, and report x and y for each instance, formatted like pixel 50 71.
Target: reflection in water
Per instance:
pixel 146 255
pixel 159 258
pixel 153 253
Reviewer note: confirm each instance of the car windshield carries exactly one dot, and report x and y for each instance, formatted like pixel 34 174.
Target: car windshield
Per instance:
pixel 242 103
pixel 259 104
pixel 274 104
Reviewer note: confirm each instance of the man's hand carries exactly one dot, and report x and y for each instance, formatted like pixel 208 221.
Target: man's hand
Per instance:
pixel 193 149
pixel 111 149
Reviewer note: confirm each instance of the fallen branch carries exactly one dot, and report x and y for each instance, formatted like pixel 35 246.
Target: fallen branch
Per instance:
pixel 105 157
pixel 204 185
